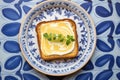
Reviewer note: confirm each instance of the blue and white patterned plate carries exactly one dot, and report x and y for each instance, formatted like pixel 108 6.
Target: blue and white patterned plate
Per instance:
pixel 53 10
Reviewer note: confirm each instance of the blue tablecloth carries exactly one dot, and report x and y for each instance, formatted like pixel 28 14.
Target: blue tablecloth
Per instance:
pixel 105 63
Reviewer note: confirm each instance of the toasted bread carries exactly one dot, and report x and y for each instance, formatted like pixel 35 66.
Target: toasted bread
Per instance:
pixel 45 56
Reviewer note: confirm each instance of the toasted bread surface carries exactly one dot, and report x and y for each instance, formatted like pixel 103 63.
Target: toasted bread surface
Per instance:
pixel 72 54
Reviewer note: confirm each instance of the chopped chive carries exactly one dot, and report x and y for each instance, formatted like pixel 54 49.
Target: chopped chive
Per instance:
pixel 54 36
pixel 68 36
pixel 59 35
pixel 45 35
pixel 68 42
pixel 72 40
pixel 49 39
pixel 71 37
pixel 59 38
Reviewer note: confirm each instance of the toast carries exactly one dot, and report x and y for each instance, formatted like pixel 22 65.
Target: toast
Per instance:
pixel 44 48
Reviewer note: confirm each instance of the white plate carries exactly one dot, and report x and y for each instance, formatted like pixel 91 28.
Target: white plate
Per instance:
pixel 52 10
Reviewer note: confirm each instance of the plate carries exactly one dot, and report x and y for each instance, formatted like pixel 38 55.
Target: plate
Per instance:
pixel 53 10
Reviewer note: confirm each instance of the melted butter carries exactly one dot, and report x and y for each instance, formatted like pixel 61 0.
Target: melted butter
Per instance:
pixel 56 48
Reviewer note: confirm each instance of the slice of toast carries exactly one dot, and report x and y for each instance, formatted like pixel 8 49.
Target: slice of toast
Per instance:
pixel 39 32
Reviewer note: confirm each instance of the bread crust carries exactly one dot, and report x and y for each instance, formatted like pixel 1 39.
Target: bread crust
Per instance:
pixel 53 57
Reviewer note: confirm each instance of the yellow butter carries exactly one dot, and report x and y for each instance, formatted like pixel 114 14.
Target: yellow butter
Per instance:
pixel 56 48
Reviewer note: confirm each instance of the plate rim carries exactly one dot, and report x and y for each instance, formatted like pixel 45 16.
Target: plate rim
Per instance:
pixel 22 25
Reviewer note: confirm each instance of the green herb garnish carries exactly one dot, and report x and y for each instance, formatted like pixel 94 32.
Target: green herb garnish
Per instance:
pixel 59 38
pixel 62 39
pixel 50 37
pixel 54 36
pixel 69 39
pixel 45 35
pixel 59 35
pixel 68 42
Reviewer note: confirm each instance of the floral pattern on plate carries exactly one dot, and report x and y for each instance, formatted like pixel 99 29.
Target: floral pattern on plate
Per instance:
pixel 53 10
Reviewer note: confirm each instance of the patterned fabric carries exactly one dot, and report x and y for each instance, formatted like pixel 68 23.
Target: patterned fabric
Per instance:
pixel 105 63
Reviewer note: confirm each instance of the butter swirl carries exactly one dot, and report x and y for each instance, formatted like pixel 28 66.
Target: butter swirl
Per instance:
pixel 56 48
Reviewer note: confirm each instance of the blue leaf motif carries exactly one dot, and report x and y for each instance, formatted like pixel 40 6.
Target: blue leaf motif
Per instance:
pixel 49 12
pixel 33 26
pixel 10 78
pixel 68 13
pixel 118 29
pixel 112 42
pixel 59 10
pixel 87 6
pixel 17 6
pixel 76 18
pixel 18 73
pixel 30 36
pixel 117 5
pixel 104 47
pixel 13 62
pixel 26 67
pixel 118 75
pixel 26 9
pixel 105 59
pixel 103 12
pixel 42 16
pixel 31 43
pixel 118 61
pixel 27 76
pixel 8 1
pixel 11 29
pixel 102 27
pixel 104 75
pixel 118 42
pixel 66 4
pixel 89 66
pixel 10 14
pixel 33 50
pixel 12 46
pixel 52 3
pixel 85 76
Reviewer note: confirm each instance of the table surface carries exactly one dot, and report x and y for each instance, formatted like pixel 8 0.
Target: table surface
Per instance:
pixel 104 64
